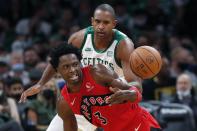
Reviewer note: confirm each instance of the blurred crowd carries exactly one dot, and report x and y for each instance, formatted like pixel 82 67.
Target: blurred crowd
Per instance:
pixel 30 28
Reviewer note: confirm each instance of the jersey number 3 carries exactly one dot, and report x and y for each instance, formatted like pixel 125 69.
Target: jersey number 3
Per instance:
pixel 100 117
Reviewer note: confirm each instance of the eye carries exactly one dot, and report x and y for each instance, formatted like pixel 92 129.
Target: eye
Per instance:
pixel 97 21
pixel 106 22
pixel 65 66
pixel 75 64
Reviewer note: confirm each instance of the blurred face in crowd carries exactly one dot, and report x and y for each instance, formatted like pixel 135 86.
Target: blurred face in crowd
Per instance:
pixel 31 57
pixel 103 22
pixel 16 58
pixel 184 83
pixel 16 90
pixel 50 90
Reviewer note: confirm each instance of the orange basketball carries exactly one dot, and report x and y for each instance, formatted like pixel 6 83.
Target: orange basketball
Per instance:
pixel 145 62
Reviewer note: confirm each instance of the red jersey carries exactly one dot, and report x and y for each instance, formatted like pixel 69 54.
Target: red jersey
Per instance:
pixel 90 102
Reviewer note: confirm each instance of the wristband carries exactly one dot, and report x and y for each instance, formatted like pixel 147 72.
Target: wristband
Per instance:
pixel 138 94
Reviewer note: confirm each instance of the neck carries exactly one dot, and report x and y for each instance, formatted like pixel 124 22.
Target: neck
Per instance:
pixel 102 43
pixel 74 88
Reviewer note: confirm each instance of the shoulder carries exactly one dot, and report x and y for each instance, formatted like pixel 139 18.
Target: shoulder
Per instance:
pixel 77 38
pixel 119 35
pixel 124 48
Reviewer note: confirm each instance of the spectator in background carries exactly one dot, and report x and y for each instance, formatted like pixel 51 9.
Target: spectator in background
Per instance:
pixel 41 46
pixel 9 117
pixel 185 93
pixel 34 75
pixel 84 15
pixel 181 58
pixel 42 110
pixel 4 68
pixel 34 25
pixel 17 68
pixel 4 55
pixel 16 57
pixel 14 88
pixel 31 58
pixel 19 43
pixel 122 16
pixel 156 19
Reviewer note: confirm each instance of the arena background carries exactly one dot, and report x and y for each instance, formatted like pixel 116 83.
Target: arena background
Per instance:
pixel 30 28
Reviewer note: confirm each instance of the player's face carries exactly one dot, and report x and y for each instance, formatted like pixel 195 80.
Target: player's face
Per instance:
pixel 69 68
pixel 103 23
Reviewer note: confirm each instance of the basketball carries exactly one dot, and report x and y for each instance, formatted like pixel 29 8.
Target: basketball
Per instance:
pixel 145 62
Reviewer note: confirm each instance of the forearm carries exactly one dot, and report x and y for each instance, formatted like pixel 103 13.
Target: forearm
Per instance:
pixel 66 114
pixel 137 83
pixel 49 72
pixel 70 125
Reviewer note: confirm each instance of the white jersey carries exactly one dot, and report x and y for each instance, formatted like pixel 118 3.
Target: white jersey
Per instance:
pixel 107 57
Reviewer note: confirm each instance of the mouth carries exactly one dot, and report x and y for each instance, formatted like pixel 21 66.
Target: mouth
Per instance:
pixel 101 34
pixel 74 77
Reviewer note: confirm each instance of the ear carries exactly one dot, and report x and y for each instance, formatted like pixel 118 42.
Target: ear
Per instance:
pixel 92 21
pixel 114 23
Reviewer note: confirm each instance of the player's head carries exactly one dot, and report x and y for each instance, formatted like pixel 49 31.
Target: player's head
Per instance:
pixel 103 20
pixel 65 59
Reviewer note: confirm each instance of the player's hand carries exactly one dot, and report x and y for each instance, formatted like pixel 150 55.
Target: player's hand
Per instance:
pixel 120 96
pixel 35 89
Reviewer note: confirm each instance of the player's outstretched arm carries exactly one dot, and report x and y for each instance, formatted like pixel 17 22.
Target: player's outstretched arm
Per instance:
pixel 35 89
pixel 124 49
pixel 76 39
pixel 68 117
pixel 121 89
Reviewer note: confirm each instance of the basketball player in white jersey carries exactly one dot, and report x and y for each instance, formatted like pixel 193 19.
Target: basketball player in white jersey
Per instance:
pixel 100 43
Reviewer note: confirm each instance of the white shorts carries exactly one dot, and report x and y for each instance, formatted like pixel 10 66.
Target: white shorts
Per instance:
pixel 83 125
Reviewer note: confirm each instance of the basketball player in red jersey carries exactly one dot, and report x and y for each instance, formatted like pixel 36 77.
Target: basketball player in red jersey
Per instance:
pixel 98 94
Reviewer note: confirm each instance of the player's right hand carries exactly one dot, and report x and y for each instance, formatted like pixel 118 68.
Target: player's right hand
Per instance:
pixel 35 89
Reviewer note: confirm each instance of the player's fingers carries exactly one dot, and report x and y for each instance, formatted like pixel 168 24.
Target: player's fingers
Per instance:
pixel 113 89
pixel 117 100
pixel 112 97
pixel 23 98
pixel 119 97
pixel 116 94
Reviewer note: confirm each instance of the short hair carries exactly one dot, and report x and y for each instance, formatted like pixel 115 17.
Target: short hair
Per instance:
pixel 106 7
pixel 13 80
pixel 63 49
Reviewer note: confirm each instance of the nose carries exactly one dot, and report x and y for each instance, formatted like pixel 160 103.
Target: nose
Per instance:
pixel 72 69
pixel 101 26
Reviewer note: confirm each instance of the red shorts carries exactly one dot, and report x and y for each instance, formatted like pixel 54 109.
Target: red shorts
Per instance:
pixel 144 121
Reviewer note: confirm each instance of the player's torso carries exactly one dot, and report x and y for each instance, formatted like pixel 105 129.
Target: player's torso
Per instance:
pixel 91 103
pixel 107 57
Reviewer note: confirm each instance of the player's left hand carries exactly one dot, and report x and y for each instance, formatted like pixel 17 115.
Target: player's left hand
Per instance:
pixel 120 96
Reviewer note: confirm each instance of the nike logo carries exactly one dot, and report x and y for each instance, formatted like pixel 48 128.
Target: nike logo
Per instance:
pixel 73 102
pixel 136 129
pixel 89 86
